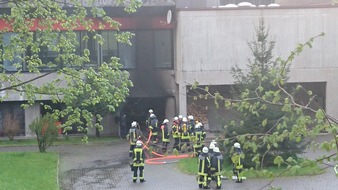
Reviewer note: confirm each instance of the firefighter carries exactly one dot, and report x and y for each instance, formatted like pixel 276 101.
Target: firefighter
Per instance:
pixel 199 135
pixel 236 159
pixel 191 123
pixel 133 135
pixel 175 132
pixel 216 162
pixel 138 162
pixel 185 135
pixel 203 169
pixel 165 135
pixel 211 148
pixel 153 129
pixel 180 120
pixel 148 118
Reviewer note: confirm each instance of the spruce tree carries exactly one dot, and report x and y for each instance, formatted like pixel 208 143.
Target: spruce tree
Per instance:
pixel 256 80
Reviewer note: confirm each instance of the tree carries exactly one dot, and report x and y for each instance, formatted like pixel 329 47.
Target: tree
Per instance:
pixel 258 75
pixel 294 110
pixel 69 77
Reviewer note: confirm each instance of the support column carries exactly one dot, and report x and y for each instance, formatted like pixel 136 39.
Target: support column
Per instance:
pixel 31 113
pixel 331 100
pixel 170 109
pixel 182 95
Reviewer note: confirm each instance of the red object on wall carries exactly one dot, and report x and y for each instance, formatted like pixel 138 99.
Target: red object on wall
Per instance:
pixel 58 123
pixel 127 23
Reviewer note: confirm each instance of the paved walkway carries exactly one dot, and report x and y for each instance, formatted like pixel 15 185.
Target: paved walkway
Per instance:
pixel 106 166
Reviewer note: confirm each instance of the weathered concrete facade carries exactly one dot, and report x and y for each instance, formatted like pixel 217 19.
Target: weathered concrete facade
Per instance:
pixel 210 42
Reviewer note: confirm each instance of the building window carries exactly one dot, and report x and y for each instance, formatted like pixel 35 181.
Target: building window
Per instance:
pixel 86 40
pixel 13 63
pixel 109 47
pixel 127 53
pixel 163 48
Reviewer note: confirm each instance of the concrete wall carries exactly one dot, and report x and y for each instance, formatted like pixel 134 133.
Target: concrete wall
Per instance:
pixel 210 42
pixel 31 113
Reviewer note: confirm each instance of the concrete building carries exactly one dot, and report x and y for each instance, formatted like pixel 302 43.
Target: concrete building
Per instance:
pixel 203 41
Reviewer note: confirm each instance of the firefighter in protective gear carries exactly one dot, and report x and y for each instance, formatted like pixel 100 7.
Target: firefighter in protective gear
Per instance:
pixel 133 135
pixel 211 148
pixel 138 162
pixel 148 119
pixel 203 169
pixel 191 123
pixel 153 129
pixel 175 132
pixel 165 135
pixel 180 120
pixel 216 162
pixel 185 135
pixel 199 135
pixel 236 159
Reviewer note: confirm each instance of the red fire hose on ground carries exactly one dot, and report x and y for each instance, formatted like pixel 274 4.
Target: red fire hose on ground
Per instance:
pixel 162 159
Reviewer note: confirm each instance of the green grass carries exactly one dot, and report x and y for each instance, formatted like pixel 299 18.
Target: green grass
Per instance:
pixel 60 141
pixel 190 166
pixel 28 171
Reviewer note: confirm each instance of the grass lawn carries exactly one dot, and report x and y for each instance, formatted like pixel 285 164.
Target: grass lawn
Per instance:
pixel 60 141
pixel 190 166
pixel 28 171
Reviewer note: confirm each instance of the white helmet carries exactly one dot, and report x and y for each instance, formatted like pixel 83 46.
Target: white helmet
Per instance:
pixel 213 142
pixel 237 145
pixel 134 124
pixel 205 149
pixel 138 143
pixel 151 111
pixel 175 118
pixel 212 146
pixel 198 125
pixel 180 116
pixel 152 115
pixel 165 121
pixel 216 149
pixel 190 117
pixel 185 119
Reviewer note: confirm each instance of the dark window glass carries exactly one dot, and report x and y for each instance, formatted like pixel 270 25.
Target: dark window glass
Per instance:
pixel 13 61
pixel 86 41
pixel 163 49
pixel 127 54
pixel 109 46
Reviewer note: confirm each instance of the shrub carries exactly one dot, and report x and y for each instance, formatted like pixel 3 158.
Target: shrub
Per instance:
pixel 46 131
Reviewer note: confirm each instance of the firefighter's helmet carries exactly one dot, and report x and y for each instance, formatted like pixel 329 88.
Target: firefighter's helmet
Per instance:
pixel 216 149
pixel 134 124
pixel 212 145
pixel 205 149
pixel 151 111
pixel 237 145
pixel 190 117
pixel 165 121
pixel 139 143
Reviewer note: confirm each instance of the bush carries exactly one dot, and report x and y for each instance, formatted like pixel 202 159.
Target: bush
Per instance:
pixel 46 131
